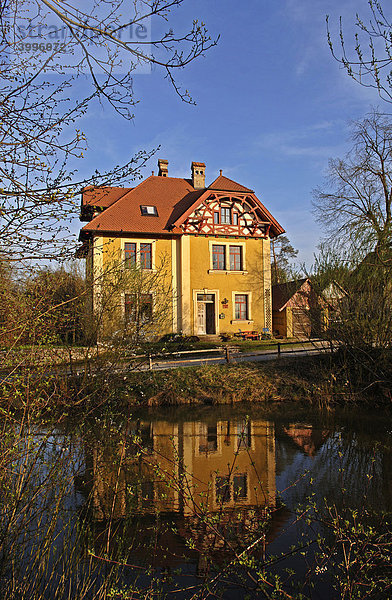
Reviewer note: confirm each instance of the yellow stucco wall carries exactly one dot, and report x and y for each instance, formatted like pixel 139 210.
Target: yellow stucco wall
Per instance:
pixel 183 265
pixel 112 281
pixel 225 284
pixel 113 249
pixel 247 442
pixel 180 462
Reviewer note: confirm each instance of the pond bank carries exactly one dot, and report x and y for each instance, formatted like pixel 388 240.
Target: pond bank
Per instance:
pixel 310 380
pixel 318 381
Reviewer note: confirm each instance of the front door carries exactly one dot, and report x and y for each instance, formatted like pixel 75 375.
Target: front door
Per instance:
pixel 210 318
pixel 205 314
pixel 201 318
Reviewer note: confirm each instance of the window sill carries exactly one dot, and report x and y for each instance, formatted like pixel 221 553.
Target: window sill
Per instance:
pixel 137 268
pixel 227 272
pixel 248 321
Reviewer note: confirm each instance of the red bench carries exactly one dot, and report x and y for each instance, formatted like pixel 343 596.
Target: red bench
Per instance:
pixel 248 335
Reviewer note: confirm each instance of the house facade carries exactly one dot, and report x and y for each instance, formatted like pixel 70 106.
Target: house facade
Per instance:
pixel 203 251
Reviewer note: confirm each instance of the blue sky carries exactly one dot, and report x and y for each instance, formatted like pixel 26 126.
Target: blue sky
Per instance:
pixel 272 106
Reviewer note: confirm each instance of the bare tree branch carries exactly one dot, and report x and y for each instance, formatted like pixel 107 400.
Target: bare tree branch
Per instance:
pixel 369 61
pixel 354 206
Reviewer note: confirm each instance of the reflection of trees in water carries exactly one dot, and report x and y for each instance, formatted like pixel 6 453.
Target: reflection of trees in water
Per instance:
pixel 346 460
pixel 199 496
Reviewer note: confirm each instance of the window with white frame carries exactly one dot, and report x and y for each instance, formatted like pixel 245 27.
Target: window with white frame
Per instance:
pixel 227 257
pixel 222 489
pixel 145 256
pixel 235 256
pixel 240 486
pixel 225 216
pixel 241 307
pixel 149 211
pixel 129 254
pixel 218 257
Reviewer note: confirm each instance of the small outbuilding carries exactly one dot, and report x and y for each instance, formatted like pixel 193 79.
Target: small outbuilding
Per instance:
pixel 296 310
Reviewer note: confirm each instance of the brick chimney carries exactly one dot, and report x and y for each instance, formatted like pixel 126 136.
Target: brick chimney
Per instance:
pixel 198 175
pixel 163 167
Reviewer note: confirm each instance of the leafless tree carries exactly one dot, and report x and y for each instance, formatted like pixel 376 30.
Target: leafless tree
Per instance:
pixel 40 112
pixel 131 305
pixel 355 204
pixel 283 253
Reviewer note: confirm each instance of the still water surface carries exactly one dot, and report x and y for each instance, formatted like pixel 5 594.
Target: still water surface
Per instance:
pixel 182 497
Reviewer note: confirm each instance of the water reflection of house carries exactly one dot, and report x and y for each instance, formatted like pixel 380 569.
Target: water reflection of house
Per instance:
pixel 139 473
pixel 230 463
pixel 306 437
pixel 187 472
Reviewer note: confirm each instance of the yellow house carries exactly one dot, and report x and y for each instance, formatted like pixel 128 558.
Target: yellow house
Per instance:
pixel 201 251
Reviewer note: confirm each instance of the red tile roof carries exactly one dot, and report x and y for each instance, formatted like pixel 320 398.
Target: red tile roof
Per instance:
pixel 102 196
pixel 173 198
pixel 170 195
pixel 224 184
pixel 282 293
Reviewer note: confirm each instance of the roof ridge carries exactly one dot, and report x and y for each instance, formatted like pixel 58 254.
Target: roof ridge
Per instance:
pixel 187 179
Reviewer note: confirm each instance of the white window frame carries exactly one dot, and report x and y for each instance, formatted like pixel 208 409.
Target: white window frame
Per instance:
pixel 226 244
pixel 138 242
pixel 242 293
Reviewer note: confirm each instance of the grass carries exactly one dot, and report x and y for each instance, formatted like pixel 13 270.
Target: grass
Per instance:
pixel 307 379
pixel 321 381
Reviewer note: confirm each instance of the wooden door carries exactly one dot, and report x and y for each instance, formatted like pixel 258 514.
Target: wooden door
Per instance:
pixel 210 318
pixel 301 323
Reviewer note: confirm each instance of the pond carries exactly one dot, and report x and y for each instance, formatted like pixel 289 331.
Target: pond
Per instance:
pixel 199 502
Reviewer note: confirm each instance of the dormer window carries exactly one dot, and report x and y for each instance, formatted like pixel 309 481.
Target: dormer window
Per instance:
pixel 149 211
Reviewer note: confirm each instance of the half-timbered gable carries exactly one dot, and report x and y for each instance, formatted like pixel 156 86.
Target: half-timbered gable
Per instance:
pixel 203 231
pixel 229 213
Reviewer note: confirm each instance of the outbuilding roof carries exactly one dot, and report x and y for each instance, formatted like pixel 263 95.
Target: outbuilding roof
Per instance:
pixel 282 293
